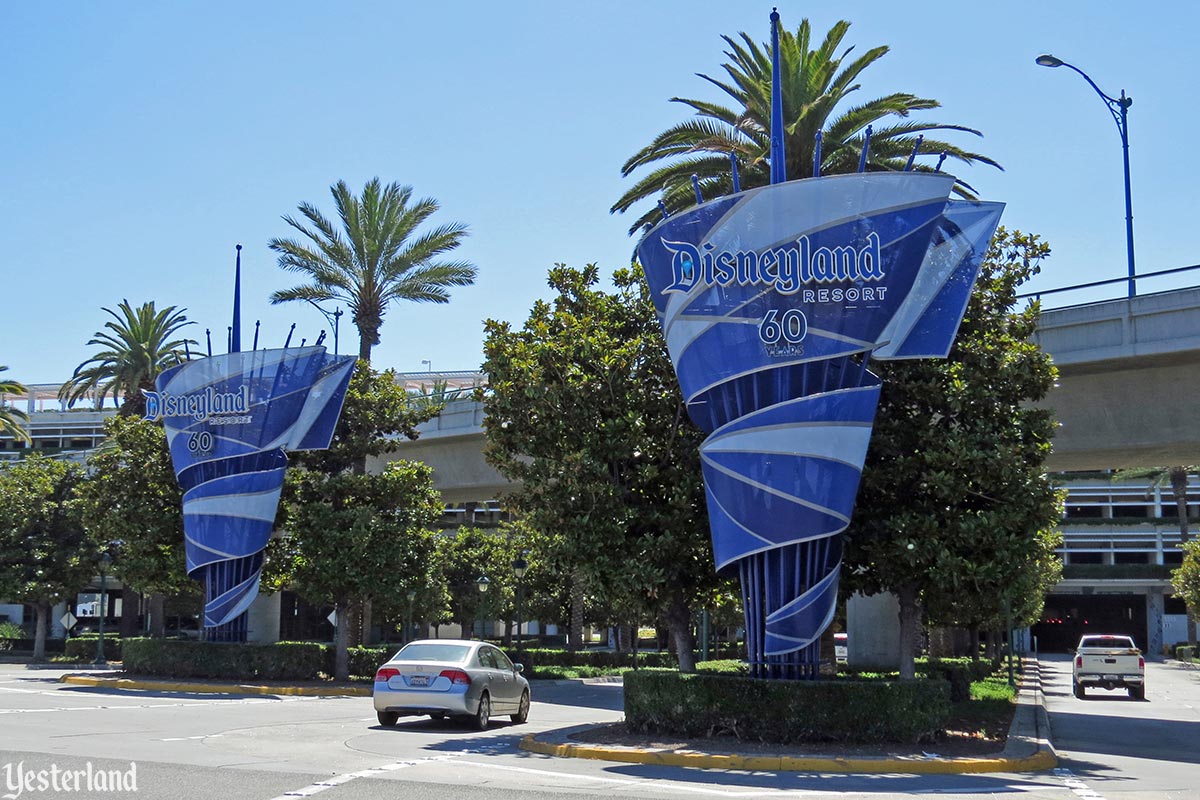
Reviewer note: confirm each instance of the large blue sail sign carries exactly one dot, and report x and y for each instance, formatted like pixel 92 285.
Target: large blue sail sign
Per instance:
pixel 230 420
pixel 773 301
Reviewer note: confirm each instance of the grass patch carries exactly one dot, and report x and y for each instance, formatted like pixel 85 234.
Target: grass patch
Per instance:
pixel 988 714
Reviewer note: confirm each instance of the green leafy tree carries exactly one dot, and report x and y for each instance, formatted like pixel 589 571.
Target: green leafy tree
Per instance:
pixel 954 506
pixel 44 555
pixel 375 256
pixel 583 411
pixel 138 344
pixel 131 506
pixel 1186 582
pixel 353 539
pixel 358 537
pixel 12 419
pixel 468 554
pixel 818 86
pixel 1177 479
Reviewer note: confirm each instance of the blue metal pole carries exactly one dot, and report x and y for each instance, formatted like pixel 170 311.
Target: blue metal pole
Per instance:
pixel 778 157
pixel 696 187
pixel 235 336
pixel 733 167
pixel 817 156
pixel 866 148
pixel 1125 102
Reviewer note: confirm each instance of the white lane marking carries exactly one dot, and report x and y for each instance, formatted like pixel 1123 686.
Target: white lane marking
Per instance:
pixel 191 738
pixel 338 780
pixel 643 784
pixel 189 704
pixel 1077 786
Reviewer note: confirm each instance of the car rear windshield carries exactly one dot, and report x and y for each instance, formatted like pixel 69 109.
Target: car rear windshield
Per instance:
pixel 433 652
pixel 1107 642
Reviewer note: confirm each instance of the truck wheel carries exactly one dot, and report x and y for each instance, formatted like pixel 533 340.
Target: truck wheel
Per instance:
pixel 1137 692
pixel 1080 692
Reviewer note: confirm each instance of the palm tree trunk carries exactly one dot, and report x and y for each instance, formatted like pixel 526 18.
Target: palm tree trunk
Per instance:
pixel 1179 487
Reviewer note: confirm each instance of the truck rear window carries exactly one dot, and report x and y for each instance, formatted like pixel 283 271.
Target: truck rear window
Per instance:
pixel 1107 642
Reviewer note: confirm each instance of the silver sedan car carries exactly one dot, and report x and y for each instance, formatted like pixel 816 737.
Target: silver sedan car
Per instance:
pixel 450 677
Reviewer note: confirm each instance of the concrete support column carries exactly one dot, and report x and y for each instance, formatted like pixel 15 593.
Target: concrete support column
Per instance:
pixel 1154 622
pixel 262 622
pixel 873 631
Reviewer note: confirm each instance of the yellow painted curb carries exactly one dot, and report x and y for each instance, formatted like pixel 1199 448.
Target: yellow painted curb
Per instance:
pixel 1041 760
pixel 216 688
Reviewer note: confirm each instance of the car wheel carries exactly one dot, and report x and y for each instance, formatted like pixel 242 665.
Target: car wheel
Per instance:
pixel 1080 692
pixel 523 709
pixel 484 714
pixel 387 718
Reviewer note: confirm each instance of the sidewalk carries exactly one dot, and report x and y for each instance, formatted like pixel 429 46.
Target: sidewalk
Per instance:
pixel 1028 748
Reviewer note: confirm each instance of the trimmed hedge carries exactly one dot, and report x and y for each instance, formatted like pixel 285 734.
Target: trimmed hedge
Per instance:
pixel 83 648
pixel 785 711
pixel 960 673
pixel 187 659
pixel 533 658
pixel 1184 652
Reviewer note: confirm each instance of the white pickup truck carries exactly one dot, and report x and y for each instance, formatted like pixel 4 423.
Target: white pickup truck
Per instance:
pixel 1111 662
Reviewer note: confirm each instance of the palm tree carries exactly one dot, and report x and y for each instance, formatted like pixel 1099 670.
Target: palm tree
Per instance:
pixel 1177 479
pixel 11 418
pixel 138 346
pixel 815 84
pixel 370 260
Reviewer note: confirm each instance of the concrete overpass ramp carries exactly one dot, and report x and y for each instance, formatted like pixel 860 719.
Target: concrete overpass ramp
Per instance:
pixel 1129 381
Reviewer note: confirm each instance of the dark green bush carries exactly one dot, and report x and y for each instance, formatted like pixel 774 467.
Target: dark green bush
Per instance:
pixel 959 672
pixel 364 661
pixel 726 666
pixel 237 662
pixel 83 648
pixel 785 711
pixel 1184 652
pixel 547 657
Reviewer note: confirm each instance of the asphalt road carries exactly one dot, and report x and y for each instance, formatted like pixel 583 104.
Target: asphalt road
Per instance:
pixel 1123 748
pixel 198 746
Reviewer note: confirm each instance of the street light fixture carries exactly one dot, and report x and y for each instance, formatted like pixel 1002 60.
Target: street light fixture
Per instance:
pixel 1119 108
pixel 333 318
pixel 103 563
pixel 482 583
pixel 428 364
pixel 519 565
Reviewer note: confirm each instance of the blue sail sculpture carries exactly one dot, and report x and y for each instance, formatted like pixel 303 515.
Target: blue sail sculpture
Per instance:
pixel 230 420
pixel 773 301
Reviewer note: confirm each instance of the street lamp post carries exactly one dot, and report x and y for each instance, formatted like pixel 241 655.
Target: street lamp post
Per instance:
pixel 482 584
pixel 412 595
pixel 104 562
pixel 520 565
pixel 333 318
pixel 1119 108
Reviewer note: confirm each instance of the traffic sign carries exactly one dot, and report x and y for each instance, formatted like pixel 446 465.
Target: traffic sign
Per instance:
pixel 68 620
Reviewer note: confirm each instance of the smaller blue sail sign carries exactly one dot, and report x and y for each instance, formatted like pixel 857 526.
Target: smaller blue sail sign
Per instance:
pixel 773 301
pixel 230 420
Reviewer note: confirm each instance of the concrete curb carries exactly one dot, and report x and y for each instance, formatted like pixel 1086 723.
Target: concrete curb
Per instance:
pixel 216 688
pixel 1028 749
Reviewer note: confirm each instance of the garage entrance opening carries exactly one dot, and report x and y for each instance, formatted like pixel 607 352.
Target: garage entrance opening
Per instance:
pixel 1069 616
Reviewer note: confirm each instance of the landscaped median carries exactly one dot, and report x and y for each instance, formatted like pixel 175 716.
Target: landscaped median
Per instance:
pixel 870 726
pixel 204 687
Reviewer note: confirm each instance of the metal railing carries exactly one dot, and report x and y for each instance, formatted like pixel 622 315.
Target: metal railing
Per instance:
pixel 1110 281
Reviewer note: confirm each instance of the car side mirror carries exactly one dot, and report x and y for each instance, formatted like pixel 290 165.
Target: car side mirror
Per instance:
pixel 518 668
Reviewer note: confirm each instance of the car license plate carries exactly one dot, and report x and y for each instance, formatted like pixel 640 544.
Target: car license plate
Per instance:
pixel 1110 677
pixel 418 680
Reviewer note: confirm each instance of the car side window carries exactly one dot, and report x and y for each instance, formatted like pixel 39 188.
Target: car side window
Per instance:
pixel 502 661
pixel 486 659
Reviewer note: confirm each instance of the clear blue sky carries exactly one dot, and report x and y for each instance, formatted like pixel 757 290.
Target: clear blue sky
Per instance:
pixel 141 141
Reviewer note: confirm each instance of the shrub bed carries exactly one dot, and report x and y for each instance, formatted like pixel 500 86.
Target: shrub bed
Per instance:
pixel 1184 652
pixel 546 657
pixel 83 648
pixel 186 659
pixel 785 711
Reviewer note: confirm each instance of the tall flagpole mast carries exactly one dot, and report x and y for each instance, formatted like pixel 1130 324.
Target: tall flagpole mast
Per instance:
pixel 778 158
pixel 235 339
